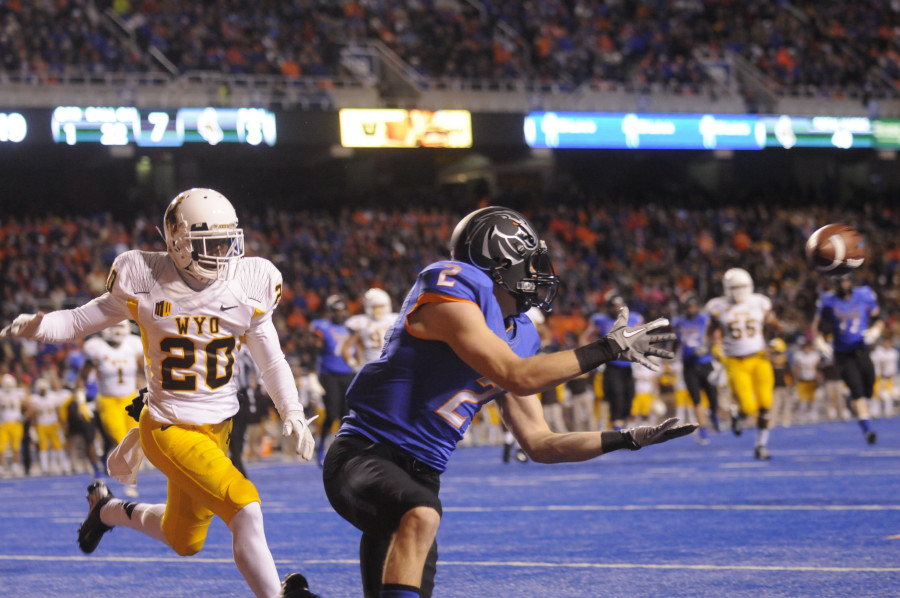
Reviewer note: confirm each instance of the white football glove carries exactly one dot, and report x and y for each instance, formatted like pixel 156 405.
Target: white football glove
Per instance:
pixel 823 347
pixel 646 435
pixel 296 426
pixel 873 333
pixel 24 326
pixel 635 344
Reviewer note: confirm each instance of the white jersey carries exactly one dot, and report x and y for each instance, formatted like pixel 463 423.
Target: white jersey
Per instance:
pixel 11 402
pixel 676 369
pixel 645 379
pixel 885 360
pixel 190 337
pixel 371 332
pixel 117 367
pixel 46 406
pixel 741 323
pixel 806 364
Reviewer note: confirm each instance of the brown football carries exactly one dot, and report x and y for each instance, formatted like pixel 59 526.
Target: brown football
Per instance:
pixel 835 249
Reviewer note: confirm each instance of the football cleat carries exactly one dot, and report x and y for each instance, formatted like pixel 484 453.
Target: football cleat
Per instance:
pixel 871 437
pixel 737 424
pixel 93 528
pixel 762 453
pixel 295 586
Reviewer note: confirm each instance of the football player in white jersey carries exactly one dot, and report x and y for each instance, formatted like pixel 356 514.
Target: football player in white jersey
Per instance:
pixel 886 359
pixel 117 356
pixel 194 304
pixel 43 408
pixel 739 320
pixel 12 428
pixel 368 329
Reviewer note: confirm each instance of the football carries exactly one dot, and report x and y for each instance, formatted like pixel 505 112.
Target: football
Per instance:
pixel 835 249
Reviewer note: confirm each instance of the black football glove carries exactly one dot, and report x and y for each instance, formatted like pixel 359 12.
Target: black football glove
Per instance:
pixel 642 436
pixel 137 403
pixel 635 344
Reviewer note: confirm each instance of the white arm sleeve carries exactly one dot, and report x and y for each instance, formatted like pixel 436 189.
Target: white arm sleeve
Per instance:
pixel 68 324
pixel 262 341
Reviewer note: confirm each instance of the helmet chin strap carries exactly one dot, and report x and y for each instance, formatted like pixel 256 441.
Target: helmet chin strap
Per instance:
pixel 192 280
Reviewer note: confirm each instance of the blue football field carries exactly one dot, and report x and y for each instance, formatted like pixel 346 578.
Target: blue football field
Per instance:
pixel 821 519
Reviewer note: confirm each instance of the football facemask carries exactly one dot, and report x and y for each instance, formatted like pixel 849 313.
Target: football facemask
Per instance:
pixel 202 234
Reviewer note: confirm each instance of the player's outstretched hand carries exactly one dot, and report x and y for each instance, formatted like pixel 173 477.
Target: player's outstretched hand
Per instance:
pixel 296 426
pixel 24 326
pixel 646 435
pixel 635 344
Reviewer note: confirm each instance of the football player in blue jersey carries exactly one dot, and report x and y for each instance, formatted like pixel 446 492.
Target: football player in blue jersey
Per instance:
pixel 462 340
pixel 691 330
pixel 618 377
pixel 333 370
pixel 852 315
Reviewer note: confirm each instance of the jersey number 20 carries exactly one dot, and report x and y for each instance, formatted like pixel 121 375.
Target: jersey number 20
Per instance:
pixel 186 357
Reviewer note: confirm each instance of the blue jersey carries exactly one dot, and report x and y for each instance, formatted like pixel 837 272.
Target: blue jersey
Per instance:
pixel 419 396
pixel 333 336
pixel 849 317
pixel 692 335
pixel 603 323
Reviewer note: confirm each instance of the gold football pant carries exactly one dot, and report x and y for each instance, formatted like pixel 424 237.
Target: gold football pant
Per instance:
pixel 113 417
pixel 752 381
pixel 11 434
pixel 202 481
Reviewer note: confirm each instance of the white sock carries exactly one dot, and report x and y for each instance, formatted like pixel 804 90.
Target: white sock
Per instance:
pixel 44 459
pixel 762 437
pixel 251 553
pixel 145 518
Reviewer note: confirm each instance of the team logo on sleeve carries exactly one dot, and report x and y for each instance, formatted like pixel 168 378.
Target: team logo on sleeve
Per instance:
pixel 162 309
pixel 111 280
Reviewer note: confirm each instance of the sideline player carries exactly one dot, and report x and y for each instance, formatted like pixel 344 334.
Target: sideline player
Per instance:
pixel 117 356
pixel 334 372
pixel 618 377
pixel 43 408
pixel 461 341
pixel 697 361
pixel 12 427
pixel 852 316
pixel 739 320
pixel 367 330
pixel 192 304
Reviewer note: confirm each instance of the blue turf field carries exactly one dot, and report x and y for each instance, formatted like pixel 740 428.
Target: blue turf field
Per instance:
pixel 821 519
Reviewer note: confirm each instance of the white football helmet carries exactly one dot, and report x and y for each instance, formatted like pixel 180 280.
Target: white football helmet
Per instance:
pixel 738 284
pixel 202 234
pixel 377 303
pixel 9 382
pixel 115 334
pixel 41 386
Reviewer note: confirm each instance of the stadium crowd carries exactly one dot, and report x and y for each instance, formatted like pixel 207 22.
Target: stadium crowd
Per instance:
pixel 801 47
pixel 652 255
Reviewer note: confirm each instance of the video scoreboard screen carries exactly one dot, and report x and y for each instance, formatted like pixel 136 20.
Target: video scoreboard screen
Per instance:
pixel 126 125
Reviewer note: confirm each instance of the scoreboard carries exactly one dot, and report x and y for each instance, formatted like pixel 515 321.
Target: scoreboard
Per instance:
pixel 125 125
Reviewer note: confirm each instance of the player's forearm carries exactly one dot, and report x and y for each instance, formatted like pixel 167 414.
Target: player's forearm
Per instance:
pixel 274 370
pixel 279 381
pixel 69 324
pixel 547 370
pixel 566 448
